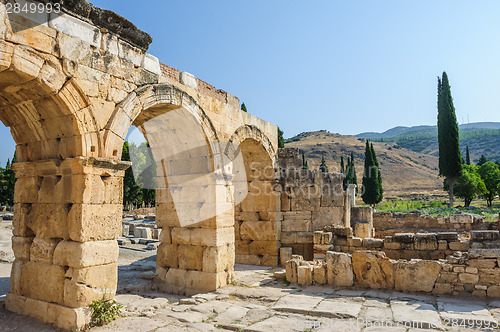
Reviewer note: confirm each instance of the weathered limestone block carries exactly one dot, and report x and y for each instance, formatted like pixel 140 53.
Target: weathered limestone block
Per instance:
pixel 459 246
pixel 42 250
pixel 468 278
pixel 285 255
pixel 21 247
pixel 16 277
pixel 258 247
pixel 101 276
pixel 327 216
pixel 363 229
pixel 167 255
pixel 78 295
pixel 218 259
pixel 485 235
pixel 190 257
pixel 170 280
pixel 416 275
pixel 319 274
pixel 202 282
pixel 461 218
pixel 42 281
pixel 339 269
pixel 259 230
pixel 372 243
pixel 291 268
pixel 362 214
pixel 425 241
pixel 49 220
pixel 373 269
pixel 297 237
pixel 493 291
pixel 304 275
pixel 76 254
pixel 125 230
pixel 443 288
pixel 447 236
pixel 247 216
pixel 91 222
pixel 296 225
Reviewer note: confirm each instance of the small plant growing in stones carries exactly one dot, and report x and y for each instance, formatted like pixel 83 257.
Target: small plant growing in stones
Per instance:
pixel 104 311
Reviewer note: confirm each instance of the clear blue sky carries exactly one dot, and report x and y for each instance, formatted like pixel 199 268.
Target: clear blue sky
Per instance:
pixel 343 66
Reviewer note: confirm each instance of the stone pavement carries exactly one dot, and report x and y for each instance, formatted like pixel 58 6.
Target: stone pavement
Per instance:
pixel 257 302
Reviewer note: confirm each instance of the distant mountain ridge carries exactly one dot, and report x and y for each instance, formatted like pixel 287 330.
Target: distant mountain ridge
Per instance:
pixel 483 138
pixel 399 130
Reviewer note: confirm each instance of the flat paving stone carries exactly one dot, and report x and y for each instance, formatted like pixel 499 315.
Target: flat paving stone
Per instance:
pixel 465 315
pixel 232 314
pixel 301 304
pixel 414 314
pixel 132 324
pixel 376 310
pixel 338 308
pixel 281 323
pixel 211 307
pixel 187 316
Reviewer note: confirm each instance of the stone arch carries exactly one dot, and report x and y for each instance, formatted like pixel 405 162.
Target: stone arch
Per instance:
pixel 48 114
pixel 249 132
pixel 257 230
pixel 144 104
pixel 194 199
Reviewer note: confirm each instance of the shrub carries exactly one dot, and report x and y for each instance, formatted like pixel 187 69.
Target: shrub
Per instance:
pixel 104 311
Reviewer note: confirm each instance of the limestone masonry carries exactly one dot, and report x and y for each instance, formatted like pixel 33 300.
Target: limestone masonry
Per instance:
pixel 71 86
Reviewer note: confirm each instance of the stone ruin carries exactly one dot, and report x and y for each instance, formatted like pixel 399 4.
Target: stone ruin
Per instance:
pixel 73 83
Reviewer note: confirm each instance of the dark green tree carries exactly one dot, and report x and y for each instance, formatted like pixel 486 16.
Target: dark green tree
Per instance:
pixel 467 155
pixel 371 189
pixel 7 183
pixel 342 167
pixel 450 165
pixel 305 164
pixel 490 173
pixel 132 193
pixel 281 140
pixel 348 174
pixel 469 185
pixel 323 167
pixel 146 180
pixel 482 160
pixel 354 175
pixel 243 107
pixel 380 192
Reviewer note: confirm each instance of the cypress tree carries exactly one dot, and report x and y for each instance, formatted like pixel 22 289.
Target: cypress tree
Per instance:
pixel 450 165
pixel 243 107
pixel 467 155
pixel 305 164
pixel 322 166
pixel 380 190
pixel 370 178
pixel 281 140
pixel 482 160
pixel 342 168
pixel 354 176
pixel 348 175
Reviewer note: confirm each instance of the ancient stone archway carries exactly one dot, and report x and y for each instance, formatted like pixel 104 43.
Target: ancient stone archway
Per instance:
pixel 257 213
pixel 71 85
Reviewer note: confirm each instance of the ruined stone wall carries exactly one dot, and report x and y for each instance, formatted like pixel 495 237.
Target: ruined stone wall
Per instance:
pixel 310 200
pixel 476 272
pixel 406 245
pixel 387 223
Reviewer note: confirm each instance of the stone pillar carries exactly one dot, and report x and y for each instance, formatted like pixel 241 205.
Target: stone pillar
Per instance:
pixel 351 191
pixel 66 221
pixel 196 253
pixel 362 219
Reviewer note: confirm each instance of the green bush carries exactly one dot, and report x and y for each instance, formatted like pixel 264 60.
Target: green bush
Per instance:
pixel 104 311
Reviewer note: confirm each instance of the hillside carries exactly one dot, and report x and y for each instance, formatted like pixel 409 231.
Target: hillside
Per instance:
pixel 481 137
pixel 403 171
